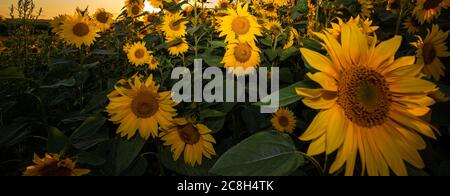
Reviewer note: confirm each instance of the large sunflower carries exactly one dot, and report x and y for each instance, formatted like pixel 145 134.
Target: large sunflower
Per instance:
pixel 137 53
pixel 241 58
pixel 240 24
pixel 284 120
pixel 373 100
pixel 52 165
pixel 430 49
pixel 103 19
pixel 137 105
pixel 177 46
pixel 427 10
pixel 174 25
pixel 79 30
pixel 194 139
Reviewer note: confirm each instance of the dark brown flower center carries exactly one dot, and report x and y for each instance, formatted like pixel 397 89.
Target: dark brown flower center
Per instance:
pixel 189 134
pixel 139 53
pixel 431 4
pixel 55 169
pixel 80 29
pixel 243 52
pixel 283 120
pixel 175 25
pixel 145 104
pixel 428 53
pixel 240 25
pixel 364 96
pixel 102 17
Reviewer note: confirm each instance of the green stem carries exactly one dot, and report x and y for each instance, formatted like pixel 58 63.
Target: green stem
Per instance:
pixel 399 19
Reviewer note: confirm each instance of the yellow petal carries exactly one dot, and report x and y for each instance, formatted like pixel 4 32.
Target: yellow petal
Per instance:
pixel 319 62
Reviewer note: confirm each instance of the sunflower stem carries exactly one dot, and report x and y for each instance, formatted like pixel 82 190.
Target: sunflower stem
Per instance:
pixel 399 18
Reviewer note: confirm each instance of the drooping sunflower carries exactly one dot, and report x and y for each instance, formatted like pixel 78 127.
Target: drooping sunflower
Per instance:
pixel 240 24
pixel 366 8
pixel 153 63
pixel 135 8
pixel 284 120
pixel 194 139
pixel 52 165
pixel 177 46
pixel 427 10
pixel 273 27
pixel 57 23
pixel 411 25
pixel 293 34
pixel 174 25
pixel 136 104
pixel 79 30
pixel 137 53
pixel 103 19
pixel 373 100
pixel 241 58
pixel 430 49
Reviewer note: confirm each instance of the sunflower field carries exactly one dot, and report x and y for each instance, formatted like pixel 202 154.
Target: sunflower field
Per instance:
pixel 364 89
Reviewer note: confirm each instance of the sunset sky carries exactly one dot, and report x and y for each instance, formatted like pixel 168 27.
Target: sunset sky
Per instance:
pixel 54 7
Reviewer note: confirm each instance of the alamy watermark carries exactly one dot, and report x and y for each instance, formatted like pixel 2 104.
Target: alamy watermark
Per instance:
pixel 226 87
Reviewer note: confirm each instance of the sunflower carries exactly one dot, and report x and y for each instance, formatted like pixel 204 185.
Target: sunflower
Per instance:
pixel 137 105
pixel 103 19
pixel 430 49
pixel 177 46
pixel 373 100
pixel 284 120
pixel 222 4
pixel 366 8
pixel 312 6
pixel 411 25
pixel 153 63
pixel 239 23
pixel 394 6
pixel 34 49
pixel 174 25
pixel 241 58
pixel 427 10
pixel 156 3
pixel 135 8
pixel 137 53
pixel 52 165
pixel 363 26
pixel 79 30
pixel 273 27
pixel 194 139
pixel 57 23
pixel 293 34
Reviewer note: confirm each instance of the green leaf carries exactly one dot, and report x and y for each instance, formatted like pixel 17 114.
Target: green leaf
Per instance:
pixel 181 168
pixel 127 150
pixel 311 44
pixel 272 54
pixel 56 140
pixel 137 168
pixel 263 154
pixel 98 101
pixel 66 83
pixel 11 73
pixel 209 113
pixel 90 159
pixel 267 42
pixel 217 44
pixel 211 59
pixel 285 54
pixel 103 52
pixel 89 127
pixel 215 124
pixel 10 132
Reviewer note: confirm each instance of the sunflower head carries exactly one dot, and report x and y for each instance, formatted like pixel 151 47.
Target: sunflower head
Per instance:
pixel 428 10
pixel 412 25
pixel 393 6
pixel 241 58
pixel 430 49
pixel 52 165
pixel 177 46
pixel 79 30
pixel 284 120
pixel 136 104
pixel 137 53
pixel 134 8
pixel 239 24
pixel 375 101
pixel 57 23
pixel 153 63
pixel 193 138
pixel 174 25
pixel 103 19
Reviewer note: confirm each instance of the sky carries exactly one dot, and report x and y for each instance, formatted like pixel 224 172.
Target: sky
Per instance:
pixel 52 8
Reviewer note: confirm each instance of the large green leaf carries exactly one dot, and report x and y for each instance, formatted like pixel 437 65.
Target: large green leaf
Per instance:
pixel 56 140
pixel 89 127
pixel 127 150
pixel 263 154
